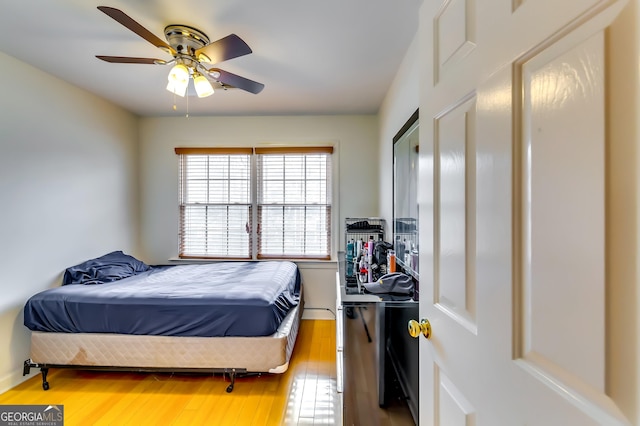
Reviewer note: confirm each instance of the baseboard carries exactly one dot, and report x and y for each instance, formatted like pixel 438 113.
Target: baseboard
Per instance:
pixel 318 314
pixel 12 380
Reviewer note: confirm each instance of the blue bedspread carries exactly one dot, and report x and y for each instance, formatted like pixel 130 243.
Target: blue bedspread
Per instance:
pixel 218 299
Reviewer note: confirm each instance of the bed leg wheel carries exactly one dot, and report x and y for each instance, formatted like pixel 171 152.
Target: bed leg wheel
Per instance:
pixel 232 377
pixel 45 384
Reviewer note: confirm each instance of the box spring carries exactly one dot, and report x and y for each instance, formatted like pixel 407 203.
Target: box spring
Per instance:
pixel 251 354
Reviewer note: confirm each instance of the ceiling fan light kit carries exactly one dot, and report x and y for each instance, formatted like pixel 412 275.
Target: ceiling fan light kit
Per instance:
pixel 202 85
pixel 177 88
pixel 179 73
pixel 192 52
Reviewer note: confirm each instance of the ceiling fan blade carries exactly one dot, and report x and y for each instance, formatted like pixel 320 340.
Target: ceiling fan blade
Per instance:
pixel 129 60
pixel 226 48
pixel 234 80
pixel 128 22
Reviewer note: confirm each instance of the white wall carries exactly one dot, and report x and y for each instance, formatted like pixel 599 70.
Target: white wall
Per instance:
pixel 400 103
pixel 355 163
pixel 68 191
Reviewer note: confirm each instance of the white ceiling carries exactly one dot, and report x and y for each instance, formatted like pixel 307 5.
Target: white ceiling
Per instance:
pixel 313 56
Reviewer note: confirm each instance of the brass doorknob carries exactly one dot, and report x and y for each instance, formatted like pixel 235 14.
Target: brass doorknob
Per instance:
pixel 416 328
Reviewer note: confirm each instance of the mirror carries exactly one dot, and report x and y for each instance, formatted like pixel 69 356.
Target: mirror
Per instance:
pixel 405 196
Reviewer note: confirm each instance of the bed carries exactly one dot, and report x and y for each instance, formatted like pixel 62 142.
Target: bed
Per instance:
pixel 117 313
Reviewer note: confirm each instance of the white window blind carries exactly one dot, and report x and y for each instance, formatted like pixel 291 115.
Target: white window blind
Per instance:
pixel 291 202
pixel 294 203
pixel 215 203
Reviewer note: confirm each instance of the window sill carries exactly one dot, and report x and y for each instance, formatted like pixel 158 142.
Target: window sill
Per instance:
pixel 308 263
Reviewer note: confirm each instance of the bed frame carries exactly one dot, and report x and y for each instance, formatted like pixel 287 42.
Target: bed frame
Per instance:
pixel 142 353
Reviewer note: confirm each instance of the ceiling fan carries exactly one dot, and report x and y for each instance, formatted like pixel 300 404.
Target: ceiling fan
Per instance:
pixel 192 53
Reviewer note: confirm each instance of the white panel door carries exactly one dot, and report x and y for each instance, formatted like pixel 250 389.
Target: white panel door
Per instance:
pixel 512 203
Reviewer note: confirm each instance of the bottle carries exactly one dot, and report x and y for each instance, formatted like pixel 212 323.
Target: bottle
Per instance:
pixel 349 258
pixel 350 249
pixel 399 248
pixel 407 252
pixel 391 260
pixel 370 259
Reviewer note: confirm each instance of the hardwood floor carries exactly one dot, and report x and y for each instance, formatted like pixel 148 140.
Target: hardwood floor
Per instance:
pixel 360 387
pixel 304 395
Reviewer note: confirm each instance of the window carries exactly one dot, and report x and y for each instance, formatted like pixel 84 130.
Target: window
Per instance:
pixel 294 203
pixel 215 203
pixel 286 192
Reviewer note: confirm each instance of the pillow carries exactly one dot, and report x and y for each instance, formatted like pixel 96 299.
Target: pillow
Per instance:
pixel 110 267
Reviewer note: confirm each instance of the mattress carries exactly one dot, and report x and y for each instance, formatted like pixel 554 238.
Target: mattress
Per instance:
pixel 239 299
pixel 252 354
